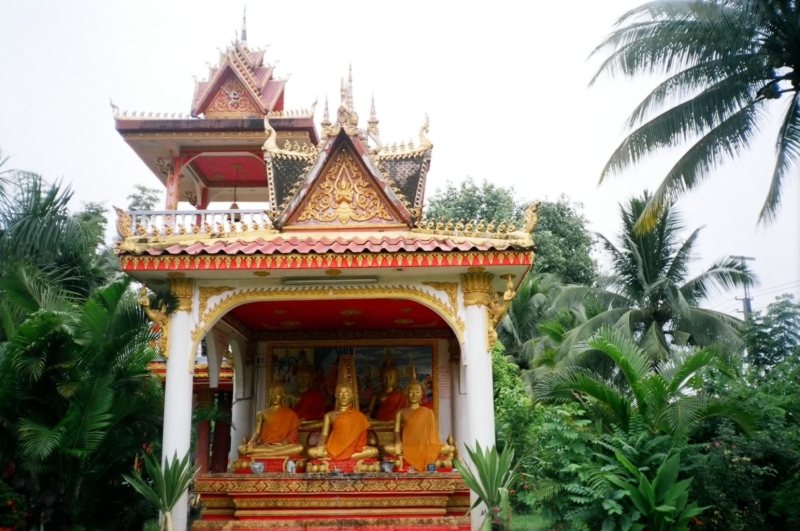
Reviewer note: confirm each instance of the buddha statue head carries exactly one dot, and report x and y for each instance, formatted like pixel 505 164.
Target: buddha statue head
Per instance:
pixel 414 389
pixel 344 396
pixel 389 372
pixel 277 394
pixel 304 376
pixel 346 383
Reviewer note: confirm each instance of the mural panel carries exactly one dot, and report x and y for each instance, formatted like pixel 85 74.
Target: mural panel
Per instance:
pixel 285 358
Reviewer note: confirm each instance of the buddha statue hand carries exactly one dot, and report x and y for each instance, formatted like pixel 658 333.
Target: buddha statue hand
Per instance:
pixel 318 452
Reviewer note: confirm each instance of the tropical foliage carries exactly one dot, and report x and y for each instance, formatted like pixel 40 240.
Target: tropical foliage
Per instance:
pixel 564 244
pixel 772 336
pixel 662 504
pixel 76 401
pixel 168 484
pixel 727 63
pixel 663 395
pixel 493 475
pixel 143 198
pixel 649 295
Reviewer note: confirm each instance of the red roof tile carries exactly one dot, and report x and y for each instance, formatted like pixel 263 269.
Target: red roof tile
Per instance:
pixel 281 245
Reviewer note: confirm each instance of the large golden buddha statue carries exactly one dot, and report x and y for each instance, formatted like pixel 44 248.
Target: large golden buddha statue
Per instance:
pixel 344 430
pixel 416 433
pixel 391 399
pixel 276 430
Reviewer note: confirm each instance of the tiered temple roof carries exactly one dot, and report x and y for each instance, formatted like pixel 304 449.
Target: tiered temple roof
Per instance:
pixel 342 191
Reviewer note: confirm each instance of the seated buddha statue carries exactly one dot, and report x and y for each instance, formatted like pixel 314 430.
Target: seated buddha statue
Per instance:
pixel 309 404
pixel 384 406
pixel 344 430
pixel 276 430
pixel 416 434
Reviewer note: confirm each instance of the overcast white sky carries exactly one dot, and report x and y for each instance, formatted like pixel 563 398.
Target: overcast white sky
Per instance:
pixel 504 83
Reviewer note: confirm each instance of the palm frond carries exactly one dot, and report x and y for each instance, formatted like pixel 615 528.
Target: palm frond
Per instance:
pixel 788 148
pixel 726 140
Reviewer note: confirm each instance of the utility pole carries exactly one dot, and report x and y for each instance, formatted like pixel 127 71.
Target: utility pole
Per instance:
pixel 747 307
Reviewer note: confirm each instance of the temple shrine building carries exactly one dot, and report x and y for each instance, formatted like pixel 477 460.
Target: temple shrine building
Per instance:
pixel 320 294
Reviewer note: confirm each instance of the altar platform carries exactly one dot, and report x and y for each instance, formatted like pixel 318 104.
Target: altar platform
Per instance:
pixel 318 502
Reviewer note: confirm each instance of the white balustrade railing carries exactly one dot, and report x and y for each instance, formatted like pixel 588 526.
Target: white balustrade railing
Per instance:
pixel 153 223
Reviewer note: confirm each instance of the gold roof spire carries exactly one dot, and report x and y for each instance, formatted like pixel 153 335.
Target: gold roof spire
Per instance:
pixel 326 119
pixel 350 89
pixel 244 25
pixel 373 119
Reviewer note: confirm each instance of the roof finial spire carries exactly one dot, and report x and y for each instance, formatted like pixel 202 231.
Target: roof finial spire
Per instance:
pixel 350 89
pixel 326 119
pixel 343 92
pixel 372 127
pixel 244 25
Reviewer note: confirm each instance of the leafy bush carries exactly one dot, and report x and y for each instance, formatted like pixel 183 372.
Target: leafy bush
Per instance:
pixel 13 508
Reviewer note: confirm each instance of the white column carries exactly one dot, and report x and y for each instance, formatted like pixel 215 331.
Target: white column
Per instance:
pixel 477 374
pixel 178 390
pixel 480 394
pixel 458 399
pixel 242 404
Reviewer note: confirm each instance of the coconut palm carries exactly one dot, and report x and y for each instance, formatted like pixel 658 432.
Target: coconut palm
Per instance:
pixel 728 63
pixel 519 329
pixel 662 396
pixel 649 296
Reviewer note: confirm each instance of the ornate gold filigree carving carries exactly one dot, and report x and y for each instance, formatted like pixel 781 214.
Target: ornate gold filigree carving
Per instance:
pixel 531 218
pixel 477 288
pixel 267 503
pixel 208 292
pixel 450 288
pixel 227 303
pixel 160 320
pixel 344 194
pixel 182 289
pixel 124 224
pixel 277 483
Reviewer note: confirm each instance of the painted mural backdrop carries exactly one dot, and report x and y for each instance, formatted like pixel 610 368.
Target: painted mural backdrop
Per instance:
pixel 324 359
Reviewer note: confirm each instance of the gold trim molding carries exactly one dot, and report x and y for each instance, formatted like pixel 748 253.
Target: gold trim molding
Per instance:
pixel 477 288
pixel 182 289
pixel 227 303
pixel 450 288
pixel 206 292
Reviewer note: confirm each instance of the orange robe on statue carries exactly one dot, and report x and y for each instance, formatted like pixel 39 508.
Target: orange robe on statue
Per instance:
pixel 279 425
pixel 311 405
pixel 348 435
pixel 421 444
pixel 394 402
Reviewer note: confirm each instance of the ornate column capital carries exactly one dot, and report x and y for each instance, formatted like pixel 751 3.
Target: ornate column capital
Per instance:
pixel 183 289
pixel 477 288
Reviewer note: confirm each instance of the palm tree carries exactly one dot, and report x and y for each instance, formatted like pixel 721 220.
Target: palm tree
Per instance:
pixel 649 296
pixel 77 403
pixel 662 397
pixel 519 329
pixel 728 62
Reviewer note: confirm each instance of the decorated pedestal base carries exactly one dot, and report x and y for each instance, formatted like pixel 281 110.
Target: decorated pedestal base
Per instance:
pixel 249 465
pixel 373 501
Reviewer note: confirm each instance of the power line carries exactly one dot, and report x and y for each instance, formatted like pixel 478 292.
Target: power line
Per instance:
pixel 746 300
pixel 777 287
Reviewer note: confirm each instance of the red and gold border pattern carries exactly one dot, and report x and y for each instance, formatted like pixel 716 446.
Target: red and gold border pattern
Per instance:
pixel 324 261
pixel 292 484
